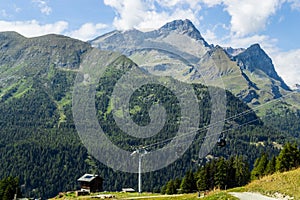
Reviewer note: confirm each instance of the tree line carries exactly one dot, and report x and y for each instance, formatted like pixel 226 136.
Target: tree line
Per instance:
pixel 233 172
pixel 217 173
pixel 288 159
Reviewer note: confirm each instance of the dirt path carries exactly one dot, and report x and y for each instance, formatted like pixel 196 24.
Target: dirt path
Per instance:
pixel 251 196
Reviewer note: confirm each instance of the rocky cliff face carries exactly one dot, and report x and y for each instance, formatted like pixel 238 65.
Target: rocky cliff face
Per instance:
pixel 254 58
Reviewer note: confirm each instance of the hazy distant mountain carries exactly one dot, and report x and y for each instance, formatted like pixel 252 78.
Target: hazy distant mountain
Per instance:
pixel 232 51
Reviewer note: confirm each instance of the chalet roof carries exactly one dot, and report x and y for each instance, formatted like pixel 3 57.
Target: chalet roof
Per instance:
pixel 128 190
pixel 87 177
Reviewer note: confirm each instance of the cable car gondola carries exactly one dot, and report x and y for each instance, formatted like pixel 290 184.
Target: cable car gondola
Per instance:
pixel 221 141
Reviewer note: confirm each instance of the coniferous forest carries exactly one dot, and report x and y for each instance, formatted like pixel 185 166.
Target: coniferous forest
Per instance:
pixel 224 173
pixel 50 156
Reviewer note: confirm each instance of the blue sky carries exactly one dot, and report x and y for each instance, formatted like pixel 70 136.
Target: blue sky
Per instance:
pixel 238 23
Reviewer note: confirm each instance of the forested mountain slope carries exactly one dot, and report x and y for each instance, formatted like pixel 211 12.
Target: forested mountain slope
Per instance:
pixel 38 139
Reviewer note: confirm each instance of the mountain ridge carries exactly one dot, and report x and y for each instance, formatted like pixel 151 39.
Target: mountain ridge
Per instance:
pixel 258 80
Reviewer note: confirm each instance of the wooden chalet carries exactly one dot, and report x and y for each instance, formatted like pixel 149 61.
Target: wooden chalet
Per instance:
pixel 90 183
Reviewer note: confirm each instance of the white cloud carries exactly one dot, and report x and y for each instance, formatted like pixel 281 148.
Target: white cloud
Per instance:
pixel 33 28
pixel 212 3
pixel 146 15
pixel 288 66
pixel 175 3
pixel 88 31
pixel 211 34
pixel 250 16
pixel 43 5
pixel 130 12
pixel 295 4
pixel 211 37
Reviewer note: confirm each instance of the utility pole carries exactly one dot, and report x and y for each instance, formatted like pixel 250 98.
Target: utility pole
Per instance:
pixel 140 173
pixel 141 152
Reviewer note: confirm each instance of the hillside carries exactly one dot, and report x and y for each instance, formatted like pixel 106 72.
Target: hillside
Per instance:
pixel 39 142
pixel 277 185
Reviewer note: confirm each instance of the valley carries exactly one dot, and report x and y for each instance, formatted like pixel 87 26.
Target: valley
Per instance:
pixel 39 141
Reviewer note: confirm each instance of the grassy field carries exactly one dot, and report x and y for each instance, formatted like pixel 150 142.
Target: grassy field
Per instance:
pixel 287 183
pixel 218 195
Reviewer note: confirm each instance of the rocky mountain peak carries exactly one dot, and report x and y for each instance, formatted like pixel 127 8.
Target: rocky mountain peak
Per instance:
pixel 178 25
pixel 182 27
pixel 255 46
pixel 255 58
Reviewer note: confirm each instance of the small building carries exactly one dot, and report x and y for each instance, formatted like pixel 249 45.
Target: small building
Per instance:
pixel 90 183
pixel 128 190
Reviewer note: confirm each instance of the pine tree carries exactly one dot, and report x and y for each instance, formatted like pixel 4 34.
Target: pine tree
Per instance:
pixel 163 189
pixel 242 171
pixel 202 179
pixel 221 175
pixel 254 172
pixel 211 170
pixel 288 158
pixel 259 167
pixel 170 187
pixel 271 166
pixel 188 183
pixel 231 172
pixel 177 183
